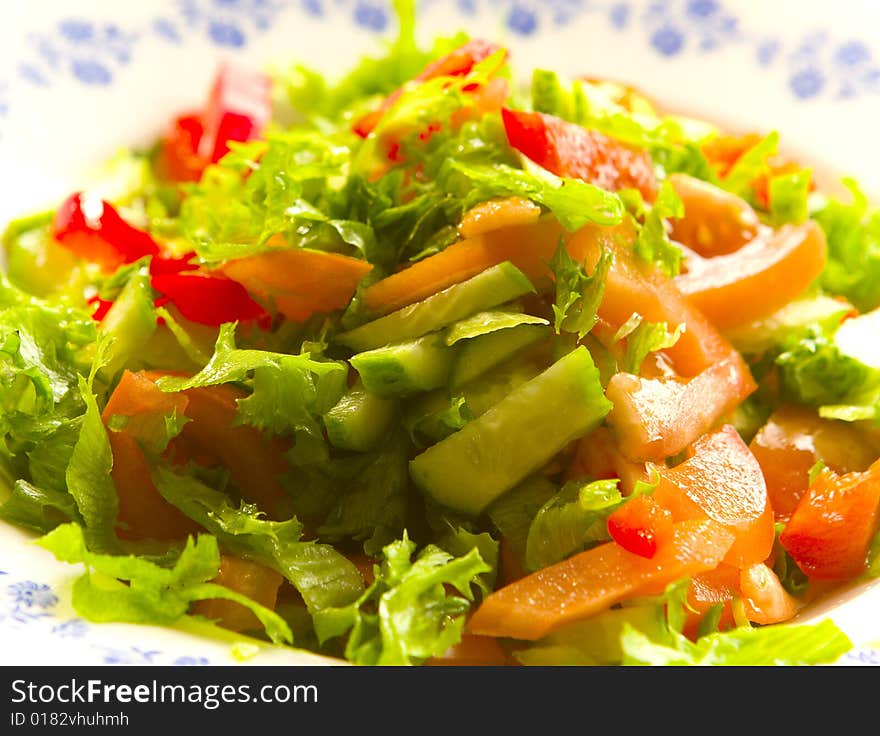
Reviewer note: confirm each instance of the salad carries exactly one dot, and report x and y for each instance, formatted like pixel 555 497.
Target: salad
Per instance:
pixel 436 364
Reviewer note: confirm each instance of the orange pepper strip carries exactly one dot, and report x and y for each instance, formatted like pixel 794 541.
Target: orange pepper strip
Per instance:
pixel 300 281
pixel 759 278
pixel 253 461
pixel 528 247
pixel 722 481
pixel 591 581
pixel 143 513
pixel 248 578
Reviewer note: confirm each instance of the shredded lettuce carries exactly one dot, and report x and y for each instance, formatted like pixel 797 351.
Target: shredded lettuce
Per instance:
pixel 406 616
pixel 653 243
pixel 289 393
pixel 789 197
pixel 151 594
pixel 853 233
pixel 578 294
pixel 323 576
pixel 572 520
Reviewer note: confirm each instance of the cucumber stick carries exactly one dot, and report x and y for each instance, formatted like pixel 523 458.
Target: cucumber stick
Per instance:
pixel 131 322
pixel 405 368
pixel 360 420
pixel 488 289
pixel 490 455
pixel 480 354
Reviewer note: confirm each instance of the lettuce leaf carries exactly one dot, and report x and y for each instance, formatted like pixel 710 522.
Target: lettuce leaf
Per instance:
pixel 323 576
pixel 406 616
pixel 789 197
pixel 572 520
pixel 578 294
pixel 512 513
pixel 153 594
pixel 652 243
pixel 853 233
pixel 574 202
pixel 289 393
pixel 39 509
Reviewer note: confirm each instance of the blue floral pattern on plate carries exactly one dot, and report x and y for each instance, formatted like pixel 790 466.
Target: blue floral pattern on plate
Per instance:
pixel 816 64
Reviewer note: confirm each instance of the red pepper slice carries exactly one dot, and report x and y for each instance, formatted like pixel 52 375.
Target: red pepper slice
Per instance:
pixel 640 525
pixel 457 63
pixel 92 229
pixel 168 264
pixel 100 307
pixel 238 109
pixel 179 157
pixel 569 150
pixel 209 300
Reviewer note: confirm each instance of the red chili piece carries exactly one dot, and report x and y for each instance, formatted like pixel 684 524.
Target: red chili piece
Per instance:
pixel 640 525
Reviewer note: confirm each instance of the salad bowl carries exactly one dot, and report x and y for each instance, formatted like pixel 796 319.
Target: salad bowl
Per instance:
pixel 80 81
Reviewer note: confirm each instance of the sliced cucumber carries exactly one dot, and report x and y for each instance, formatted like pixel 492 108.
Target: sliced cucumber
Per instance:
pixel 480 354
pixel 490 455
pixel 405 368
pixel 360 420
pixel 488 289
pixel 130 322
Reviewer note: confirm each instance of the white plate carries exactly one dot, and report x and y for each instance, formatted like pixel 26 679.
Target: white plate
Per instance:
pixel 79 80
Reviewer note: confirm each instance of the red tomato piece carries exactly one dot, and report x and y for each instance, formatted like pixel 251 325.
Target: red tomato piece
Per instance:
pixel 92 229
pixel 830 531
pixel 723 482
pixel 791 442
pixel 640 525
pixel 257 582
pixel 570 150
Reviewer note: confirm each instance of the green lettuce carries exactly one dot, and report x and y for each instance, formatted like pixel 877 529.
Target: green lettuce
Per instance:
pixel 323 576
pixel 652 243
pixel 151 594
pixel 853 233
pixel 406 616
pixel 289 393
pixel 578 294
pixel 572 520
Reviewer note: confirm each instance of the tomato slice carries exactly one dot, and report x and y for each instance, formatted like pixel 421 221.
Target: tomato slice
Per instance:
pixel 790 443
pixel 570 150
pixel 831 529
pixel 715 221
pixel 723 482
pixel 759 278
pixel 591 581
pixel 473 651
pixel 143 513
pixel 654 418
